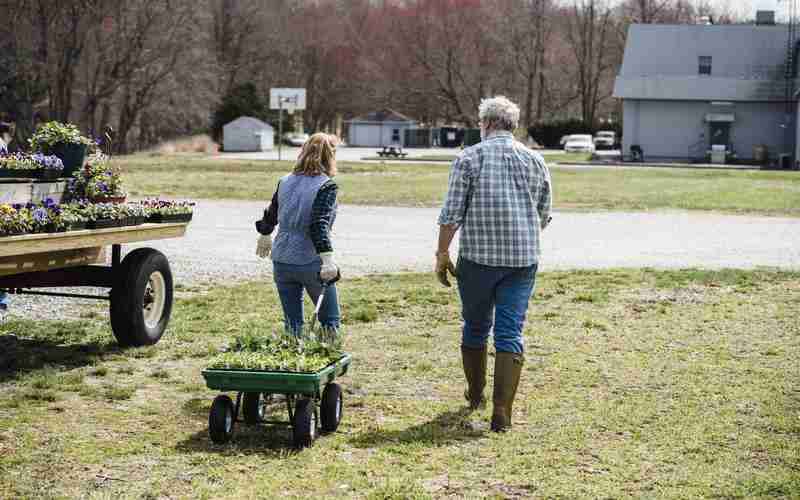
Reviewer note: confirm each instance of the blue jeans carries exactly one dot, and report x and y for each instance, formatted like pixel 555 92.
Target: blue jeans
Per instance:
pixel 494 293
pixel 291 280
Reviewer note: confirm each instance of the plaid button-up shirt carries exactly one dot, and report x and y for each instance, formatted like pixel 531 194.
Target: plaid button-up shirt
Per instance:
pixel 499 194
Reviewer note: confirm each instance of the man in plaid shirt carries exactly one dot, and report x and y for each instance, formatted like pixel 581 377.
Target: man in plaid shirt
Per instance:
pixel 499 197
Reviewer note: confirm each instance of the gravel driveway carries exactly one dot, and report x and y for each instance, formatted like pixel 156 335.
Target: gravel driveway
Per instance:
pixel 220 244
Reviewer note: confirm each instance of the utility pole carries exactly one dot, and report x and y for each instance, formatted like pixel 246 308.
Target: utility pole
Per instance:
pixel 280 126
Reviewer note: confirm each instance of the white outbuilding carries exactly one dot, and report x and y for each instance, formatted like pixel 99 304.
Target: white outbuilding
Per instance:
pixel 247 134
pixel 378 129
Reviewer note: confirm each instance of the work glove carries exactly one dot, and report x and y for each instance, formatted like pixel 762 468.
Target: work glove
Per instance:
pixel 264 247
pixel 443 266
pixel 329 270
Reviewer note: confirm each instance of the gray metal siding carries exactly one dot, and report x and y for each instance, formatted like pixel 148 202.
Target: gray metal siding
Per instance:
pixel 738 51
pixel 684 88
pixel 661 62
pixel 245 134
pixel 677 129
pixel 376 135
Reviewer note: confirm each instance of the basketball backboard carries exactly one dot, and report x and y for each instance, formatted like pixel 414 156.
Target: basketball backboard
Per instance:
pixel 288 99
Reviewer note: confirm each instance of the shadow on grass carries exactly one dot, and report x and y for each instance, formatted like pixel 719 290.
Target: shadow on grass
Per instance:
pixel 19 356
pixel 446 428
pixel 262 439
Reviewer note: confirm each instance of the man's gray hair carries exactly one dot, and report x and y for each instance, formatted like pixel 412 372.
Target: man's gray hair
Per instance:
pixel 498 113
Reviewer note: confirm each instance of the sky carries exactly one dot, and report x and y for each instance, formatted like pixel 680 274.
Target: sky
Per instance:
pixel 749 7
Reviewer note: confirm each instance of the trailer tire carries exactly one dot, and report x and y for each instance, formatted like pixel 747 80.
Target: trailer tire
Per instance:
pixel 252 408
pixel 221 419
pixel 141 298
pixel 331 408
pixel 304 423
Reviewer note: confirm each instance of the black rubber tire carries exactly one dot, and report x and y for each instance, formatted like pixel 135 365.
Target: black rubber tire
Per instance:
pixel 128 295
pixel 332 407
pixel 221 419
pixel 251 408
pixel 304 424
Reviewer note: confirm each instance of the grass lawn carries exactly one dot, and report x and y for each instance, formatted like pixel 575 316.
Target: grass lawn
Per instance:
pixel 419 184
pixel 638 383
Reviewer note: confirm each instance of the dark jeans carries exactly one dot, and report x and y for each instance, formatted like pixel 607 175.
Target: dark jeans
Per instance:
pixel 291 280
pixel 494 295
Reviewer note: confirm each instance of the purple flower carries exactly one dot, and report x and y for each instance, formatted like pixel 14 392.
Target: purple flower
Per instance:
pixel 40 215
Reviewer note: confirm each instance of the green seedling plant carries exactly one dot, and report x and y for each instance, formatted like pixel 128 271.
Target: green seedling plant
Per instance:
pixel 293 350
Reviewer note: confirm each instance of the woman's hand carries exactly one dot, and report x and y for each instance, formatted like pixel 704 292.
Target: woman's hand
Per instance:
pixel 264 247
pixel 329 270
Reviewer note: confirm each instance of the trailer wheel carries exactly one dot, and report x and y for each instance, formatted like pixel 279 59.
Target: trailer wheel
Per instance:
pixel 252 408
pixel 332 405
pixel 221 419
pixel 304 423
pixel 141 299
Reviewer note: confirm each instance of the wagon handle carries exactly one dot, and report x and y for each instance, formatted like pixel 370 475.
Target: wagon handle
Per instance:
pixel 318 306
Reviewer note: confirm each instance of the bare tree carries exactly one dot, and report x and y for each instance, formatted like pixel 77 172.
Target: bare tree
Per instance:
pixel 589 29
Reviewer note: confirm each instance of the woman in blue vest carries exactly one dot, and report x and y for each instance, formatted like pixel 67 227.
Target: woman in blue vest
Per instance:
pixel 304 209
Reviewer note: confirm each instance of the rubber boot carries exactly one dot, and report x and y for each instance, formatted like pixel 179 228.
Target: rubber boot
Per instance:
pixel 507 370
pixel 474 361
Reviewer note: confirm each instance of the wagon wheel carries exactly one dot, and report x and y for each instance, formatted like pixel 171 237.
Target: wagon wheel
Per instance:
pixel 253 408
pixel 304 423
pixel 221 419
pixel 331 409
pixel 141 298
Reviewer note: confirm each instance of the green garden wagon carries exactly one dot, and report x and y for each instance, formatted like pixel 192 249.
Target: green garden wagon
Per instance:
pixel 313 400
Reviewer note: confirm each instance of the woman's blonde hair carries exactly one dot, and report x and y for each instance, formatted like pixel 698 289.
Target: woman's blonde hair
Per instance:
pixel 318 156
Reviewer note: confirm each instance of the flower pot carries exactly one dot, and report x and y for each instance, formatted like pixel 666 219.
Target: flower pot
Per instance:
pixel 165 218
pixel 108 199
pixel 49 174
pixel 7 173
pixel 73 156
pixel 77 226
pixel 52 228
pixel 102 224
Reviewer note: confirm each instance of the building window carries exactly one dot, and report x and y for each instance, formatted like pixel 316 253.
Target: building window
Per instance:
pixel 704 63
pixel 396 135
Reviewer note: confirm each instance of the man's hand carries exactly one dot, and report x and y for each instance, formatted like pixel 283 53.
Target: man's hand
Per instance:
pixel 329 270
pixel 264 247
pixel 443 266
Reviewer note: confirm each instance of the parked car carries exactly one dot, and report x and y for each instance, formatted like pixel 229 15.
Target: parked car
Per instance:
pixel 295 139
pixel 579 143
pixel 605 139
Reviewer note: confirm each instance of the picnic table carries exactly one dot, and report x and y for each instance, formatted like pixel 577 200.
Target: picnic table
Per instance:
pixel 392 151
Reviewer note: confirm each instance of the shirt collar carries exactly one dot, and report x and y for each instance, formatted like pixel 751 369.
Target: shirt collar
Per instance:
pixel 498 134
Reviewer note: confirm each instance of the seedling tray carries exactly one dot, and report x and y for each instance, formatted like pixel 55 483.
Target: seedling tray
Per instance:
pixel 276 382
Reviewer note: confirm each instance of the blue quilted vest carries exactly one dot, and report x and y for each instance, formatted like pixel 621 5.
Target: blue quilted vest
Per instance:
pixel 292 244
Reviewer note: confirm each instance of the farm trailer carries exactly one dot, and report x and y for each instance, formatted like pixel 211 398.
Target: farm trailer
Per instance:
pixel 141 285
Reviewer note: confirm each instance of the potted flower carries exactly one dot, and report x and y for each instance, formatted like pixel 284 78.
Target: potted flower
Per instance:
pixel 98 181
pixel 137 213
pixel 14 221
pixel 63 140
pixel 31 166
pixel 74 217
pixel 161 211
pixel 103 215
pixel 50 166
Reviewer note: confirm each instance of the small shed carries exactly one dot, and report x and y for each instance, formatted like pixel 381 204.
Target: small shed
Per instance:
pixel 248 134
pixel 378 129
